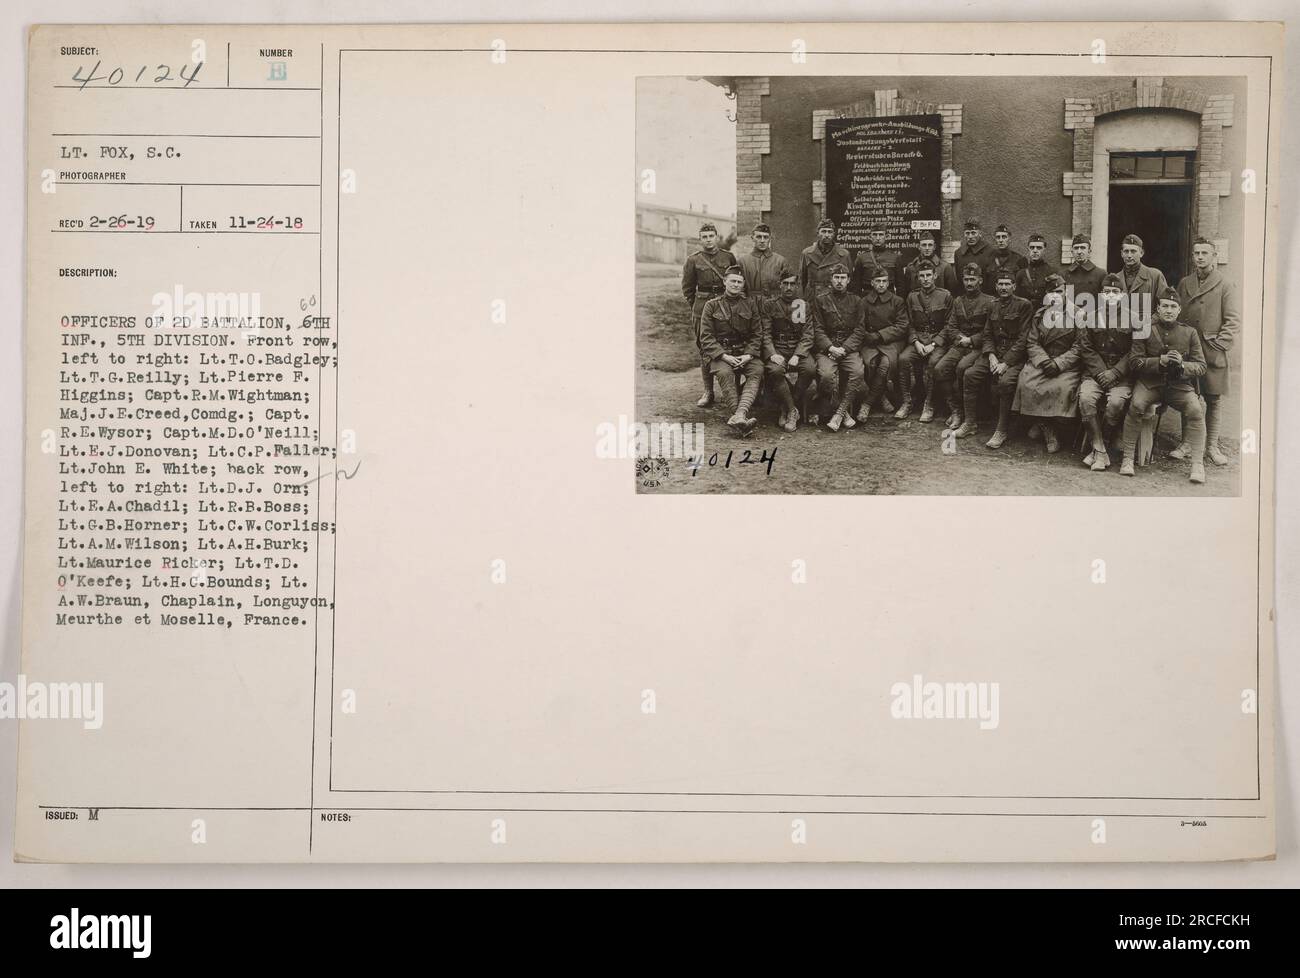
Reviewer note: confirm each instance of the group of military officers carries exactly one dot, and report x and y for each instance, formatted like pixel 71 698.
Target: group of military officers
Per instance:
pixel 1055 345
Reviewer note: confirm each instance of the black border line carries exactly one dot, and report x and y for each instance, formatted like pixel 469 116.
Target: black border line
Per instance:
pixel 1259 525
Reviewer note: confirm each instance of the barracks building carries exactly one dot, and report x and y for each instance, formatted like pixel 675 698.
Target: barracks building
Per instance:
pixel 1102 156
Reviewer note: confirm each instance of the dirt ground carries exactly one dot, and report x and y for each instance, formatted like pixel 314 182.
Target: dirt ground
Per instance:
pixel 884 456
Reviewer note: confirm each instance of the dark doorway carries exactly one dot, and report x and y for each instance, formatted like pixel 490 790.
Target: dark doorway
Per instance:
pixel 1151 196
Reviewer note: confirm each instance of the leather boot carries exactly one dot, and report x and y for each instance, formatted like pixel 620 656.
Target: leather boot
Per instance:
pixel 1003 430
pixel 927 409
pixel 1213 418
pixel 707 399
pixel 1049 437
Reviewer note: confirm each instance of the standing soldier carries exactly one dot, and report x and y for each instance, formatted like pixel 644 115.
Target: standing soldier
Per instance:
pixel 837 336
pixel 944 276
pixel 1083 277
pixel 885 325
pixel 974 249
pixel 963 339
pixel 1164 365
pixel 817 260
pixel 1210 307
pixel 702 280
pixel 1049 382
pixel 1003 257
pixel 877 256
pixel 787 348
pixel 1143 285
pixel 763 267
pixel 1031 280
pixel 928 309
pixel 731 337
pixel 1105 389
pixel 1004 352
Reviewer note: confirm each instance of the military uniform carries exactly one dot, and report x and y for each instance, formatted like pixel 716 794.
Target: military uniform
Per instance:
pixel 1154 383
pixel 1144 281
pixel 927 317
pixel 702 277
pixel 981 253
pixel 733 326
pixel 1031 281
pixel 783 335
pixel 1210 306
pixel 945 276
pixel 969 317
pixel 868 258
pixel 1004 337
pixel 885 333
pixel 1009 260
pixel 1106 347
pixel 1049 381
pixel 815 268
pixel 838 319
pixel 1083 278
pixel 763 273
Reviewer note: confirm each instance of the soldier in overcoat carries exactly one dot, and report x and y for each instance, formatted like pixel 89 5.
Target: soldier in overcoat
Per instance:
pixel 1212 308
pixel 701 281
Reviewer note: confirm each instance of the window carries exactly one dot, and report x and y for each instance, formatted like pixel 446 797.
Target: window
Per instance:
pixel 1151 166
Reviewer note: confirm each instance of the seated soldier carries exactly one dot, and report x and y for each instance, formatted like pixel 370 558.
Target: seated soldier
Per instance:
pixel 731 340
pixel 837 337
pixel 1105 389
pixel 787 348
pixel 1002 354
pixel 1164 364
pixel 963 341
pixel 1049 382
pixel 928 309
pixel 885 326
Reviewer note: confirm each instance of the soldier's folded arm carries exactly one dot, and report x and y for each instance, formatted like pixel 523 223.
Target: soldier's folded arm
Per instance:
pixel 754 347
pixel 1071 357
pixel 765 332
pixel 1144 363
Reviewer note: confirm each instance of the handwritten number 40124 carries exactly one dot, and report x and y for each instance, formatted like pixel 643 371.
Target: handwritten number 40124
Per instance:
pixel 162 75
pixel 718 460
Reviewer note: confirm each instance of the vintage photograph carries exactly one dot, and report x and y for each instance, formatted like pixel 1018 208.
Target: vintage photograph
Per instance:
pixel 990 285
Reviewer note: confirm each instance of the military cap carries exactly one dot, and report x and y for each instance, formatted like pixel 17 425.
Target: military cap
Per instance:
pixel 1054 282
pixel 972 268
pixel 708 226
pixel 761 227
pixel 925 236
pixel 924 263
pixel 1037 237
pixel 1132 239
pixel 734 270
pixel 839 269
pixel 1201 240
pixel 877 227
pixel 877 271
pixel 1002 229
pixel 1112 279
pixel 1170 295
pixel 1082 239
pixel 790 276
pixel 972 225
pixel 825 222
pixel 1004 273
